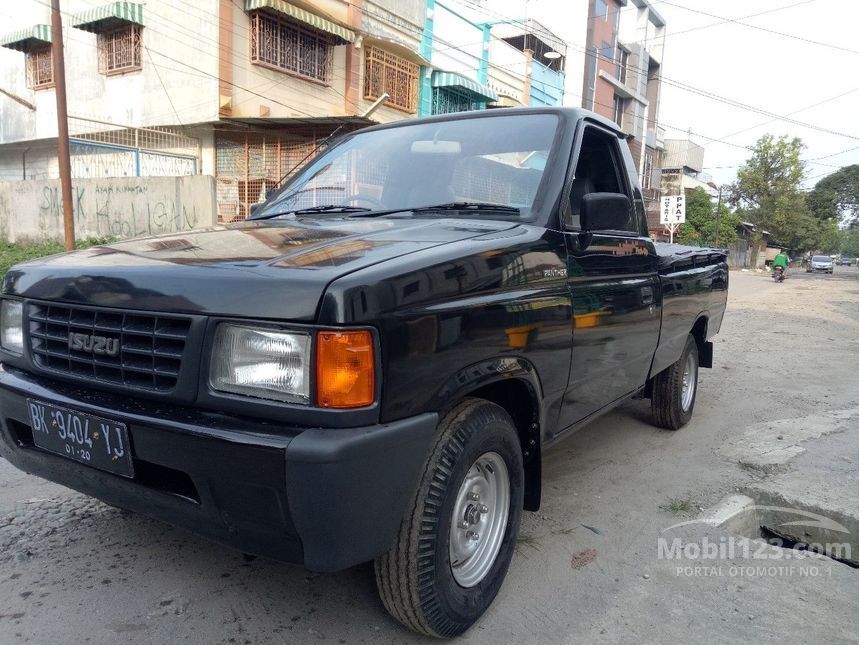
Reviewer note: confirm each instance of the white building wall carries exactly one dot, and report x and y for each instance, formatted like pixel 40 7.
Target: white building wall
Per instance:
pixel 638 25
pixel 508 70
pixel 458 44
pixel 34 160
pixel 186 32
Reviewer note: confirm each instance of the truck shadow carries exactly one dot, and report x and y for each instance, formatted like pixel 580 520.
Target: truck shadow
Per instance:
pixel 175 583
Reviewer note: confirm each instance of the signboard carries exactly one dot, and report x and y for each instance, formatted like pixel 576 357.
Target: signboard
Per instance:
pixel 673 210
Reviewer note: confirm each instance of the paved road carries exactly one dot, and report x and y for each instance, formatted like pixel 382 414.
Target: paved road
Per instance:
pixel 587 569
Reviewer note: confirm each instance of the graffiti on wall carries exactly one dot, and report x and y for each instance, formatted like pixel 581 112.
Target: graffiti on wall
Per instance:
pixel 118 208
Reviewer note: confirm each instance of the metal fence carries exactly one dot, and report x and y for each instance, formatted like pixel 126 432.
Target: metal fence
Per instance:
pixel 100 149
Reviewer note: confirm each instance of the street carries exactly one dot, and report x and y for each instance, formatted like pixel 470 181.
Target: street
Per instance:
pixel 588 567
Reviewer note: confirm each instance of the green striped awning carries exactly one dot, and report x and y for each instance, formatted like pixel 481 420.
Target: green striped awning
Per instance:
pixel 109 16
pixel 318 22
pixel 25 40
pixel 452 79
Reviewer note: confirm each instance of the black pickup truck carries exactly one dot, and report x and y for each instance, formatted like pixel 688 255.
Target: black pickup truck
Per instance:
pixel 372 366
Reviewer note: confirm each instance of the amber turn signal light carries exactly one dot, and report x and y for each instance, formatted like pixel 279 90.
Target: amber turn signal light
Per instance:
pixel 345 369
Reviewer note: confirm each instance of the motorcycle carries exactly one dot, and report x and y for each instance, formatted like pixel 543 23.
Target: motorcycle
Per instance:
pixel 778 274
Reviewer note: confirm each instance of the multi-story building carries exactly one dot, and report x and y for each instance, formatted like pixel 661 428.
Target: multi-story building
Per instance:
pixel 622 79
pixel 240 89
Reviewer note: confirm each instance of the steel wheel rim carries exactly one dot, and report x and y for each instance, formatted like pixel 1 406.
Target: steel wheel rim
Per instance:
pixel 688 382
pixel 479 520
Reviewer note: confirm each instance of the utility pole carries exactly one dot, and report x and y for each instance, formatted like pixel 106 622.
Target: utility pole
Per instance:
pixel 62 124
pixel 717 227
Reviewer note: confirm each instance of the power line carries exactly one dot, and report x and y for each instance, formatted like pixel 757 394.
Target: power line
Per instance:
pixel 166 93
pixel 764 29
pixel 670 81
pixel 642 73
pixel 724 21
pixel 174 24
pixel 834 154
pixel 738 104
pixel 803 109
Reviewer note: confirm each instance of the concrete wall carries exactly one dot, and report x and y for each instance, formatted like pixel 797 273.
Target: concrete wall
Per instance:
pixel 117 207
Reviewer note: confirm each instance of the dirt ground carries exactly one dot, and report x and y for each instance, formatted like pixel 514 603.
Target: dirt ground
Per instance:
pixel 588 566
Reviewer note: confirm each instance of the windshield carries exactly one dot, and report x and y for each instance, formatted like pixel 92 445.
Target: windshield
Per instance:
pixel 820 258
pixel 496 160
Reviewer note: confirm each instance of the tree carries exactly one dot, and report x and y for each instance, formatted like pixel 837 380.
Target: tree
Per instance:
pixel 849 242
pixel 835 197
pixel 768 188
pixel 701 224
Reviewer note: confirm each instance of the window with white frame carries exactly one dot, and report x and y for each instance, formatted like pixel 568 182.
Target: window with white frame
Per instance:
pixel 618 111
pixel 622 59
pixel 592 77
pixel 648 168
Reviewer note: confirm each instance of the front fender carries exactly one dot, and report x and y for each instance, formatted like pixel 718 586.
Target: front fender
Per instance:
pixel 472 378
pixel 506 381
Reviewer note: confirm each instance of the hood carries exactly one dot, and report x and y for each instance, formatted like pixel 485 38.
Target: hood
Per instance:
pixel 275 269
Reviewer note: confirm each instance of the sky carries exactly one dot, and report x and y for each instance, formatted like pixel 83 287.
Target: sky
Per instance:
pixel 780 73
pixel 784 75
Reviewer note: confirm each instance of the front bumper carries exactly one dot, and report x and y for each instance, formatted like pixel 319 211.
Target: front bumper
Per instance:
pixel 813 269
pixel 324 498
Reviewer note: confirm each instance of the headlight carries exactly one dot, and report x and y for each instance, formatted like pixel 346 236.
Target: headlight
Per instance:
pixel 262 363
pixel 12 326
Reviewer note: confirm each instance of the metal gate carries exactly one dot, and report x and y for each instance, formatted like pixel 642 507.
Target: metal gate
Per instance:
pixel 249 164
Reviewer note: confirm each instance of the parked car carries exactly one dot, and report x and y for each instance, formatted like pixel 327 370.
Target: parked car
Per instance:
pixel 820 264
pixel 372 367
pixel 844 262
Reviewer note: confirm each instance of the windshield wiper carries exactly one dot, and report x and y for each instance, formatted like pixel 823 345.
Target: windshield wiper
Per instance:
pixel 451 206
pixel 328 208
pixel 468 206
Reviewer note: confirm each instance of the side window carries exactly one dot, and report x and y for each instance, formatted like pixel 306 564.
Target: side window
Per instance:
pixel 599 169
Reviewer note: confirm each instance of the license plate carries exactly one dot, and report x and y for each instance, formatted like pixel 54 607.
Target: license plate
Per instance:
pixel 94 441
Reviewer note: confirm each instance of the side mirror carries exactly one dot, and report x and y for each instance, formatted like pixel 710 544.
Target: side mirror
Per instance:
pixel 605 212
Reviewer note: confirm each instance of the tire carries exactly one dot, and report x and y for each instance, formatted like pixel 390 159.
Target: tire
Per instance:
pixel 416 578
pixel 672 406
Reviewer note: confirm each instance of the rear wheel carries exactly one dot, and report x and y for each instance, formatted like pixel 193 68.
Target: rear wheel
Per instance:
pixel 454 547
pixel 674 389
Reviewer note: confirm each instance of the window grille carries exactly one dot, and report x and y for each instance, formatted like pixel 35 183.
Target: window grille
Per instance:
pixel 286 46
pixel 447 100
pixel 120 50
pixel 40 69
pixel 386 72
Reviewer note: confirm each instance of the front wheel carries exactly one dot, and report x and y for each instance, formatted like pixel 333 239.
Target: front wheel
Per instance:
pixel 454 546
pixel 674 389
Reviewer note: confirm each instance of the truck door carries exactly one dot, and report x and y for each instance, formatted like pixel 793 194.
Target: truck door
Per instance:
pixel 612 276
